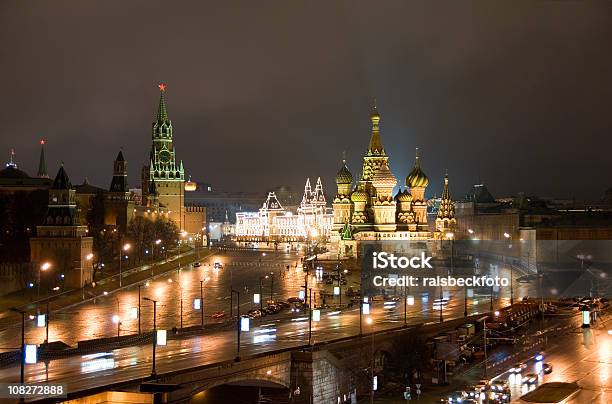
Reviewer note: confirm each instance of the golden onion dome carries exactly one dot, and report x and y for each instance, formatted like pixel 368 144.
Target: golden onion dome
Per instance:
pixel 404 196
pixel 359 196
pixel 344 176
pixel 417 177
pixel 190 185
pixel 384 178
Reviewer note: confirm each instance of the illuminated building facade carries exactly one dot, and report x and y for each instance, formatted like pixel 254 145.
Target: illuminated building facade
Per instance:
pixel 366 209
pixel 274 223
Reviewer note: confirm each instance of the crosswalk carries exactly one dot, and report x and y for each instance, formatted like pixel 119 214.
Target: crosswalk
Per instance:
pixel 259 264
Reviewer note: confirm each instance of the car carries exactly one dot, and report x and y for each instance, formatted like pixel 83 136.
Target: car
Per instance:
pixel 294 300
pixel 547 368
pixel 500 398
pixel 196 264
pixel 481 386
pixel 218 265
pixel 254 313
pixel 282 305
pixel 530 378
pixel 499 386
pixel 518 368
pixel 457 397
pixel 526 278
pixel 218 314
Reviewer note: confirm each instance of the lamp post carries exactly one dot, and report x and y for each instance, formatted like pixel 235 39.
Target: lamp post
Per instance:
pixel 89 258
pixel 237 324
pixel 405 307
pixel 139 286
pixel 181 302
pixel 441 305
pixel 272 286
pixel 310 318
pixel 123 248
pixel 157 242
pixel 47 324
pixel 509 237
pixel 370 323
pixel 153 373
pixel 202 302
pixel 339 288
pixel 261 278
pixel 43 267
pixel 22 374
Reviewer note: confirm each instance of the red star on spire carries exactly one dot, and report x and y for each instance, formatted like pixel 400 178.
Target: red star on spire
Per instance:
pixel 162 87
pixel 42 141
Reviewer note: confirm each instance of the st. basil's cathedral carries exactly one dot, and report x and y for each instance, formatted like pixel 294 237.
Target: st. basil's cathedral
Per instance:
pixel 366 209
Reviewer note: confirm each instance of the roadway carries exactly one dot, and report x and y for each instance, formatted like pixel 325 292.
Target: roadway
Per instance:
pixel 242 270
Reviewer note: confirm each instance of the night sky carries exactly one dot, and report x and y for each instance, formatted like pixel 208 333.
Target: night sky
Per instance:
pixel 264 93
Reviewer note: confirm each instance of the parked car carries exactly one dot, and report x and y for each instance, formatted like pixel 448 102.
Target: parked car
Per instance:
pixel 282 305
pixel 196 264
pixel 254 313
pixel 294 300
pixel 218 265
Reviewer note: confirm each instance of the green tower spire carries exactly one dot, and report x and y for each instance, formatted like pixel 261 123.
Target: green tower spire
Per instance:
pixel 162 112
pixel 42 164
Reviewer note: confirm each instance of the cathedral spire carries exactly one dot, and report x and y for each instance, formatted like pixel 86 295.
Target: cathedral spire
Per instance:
pixel 11 162
pixel 446 192
pixel 162 112
pixel 42 164
pixel 375 147
pixel 318 195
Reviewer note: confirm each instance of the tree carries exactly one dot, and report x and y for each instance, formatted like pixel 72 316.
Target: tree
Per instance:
pixel 144 232
pixel 409 355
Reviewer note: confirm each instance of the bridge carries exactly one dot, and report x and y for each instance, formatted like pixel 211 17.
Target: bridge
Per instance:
pixel 325 372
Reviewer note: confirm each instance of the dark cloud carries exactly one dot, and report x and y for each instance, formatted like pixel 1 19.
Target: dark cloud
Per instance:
pixel 267 93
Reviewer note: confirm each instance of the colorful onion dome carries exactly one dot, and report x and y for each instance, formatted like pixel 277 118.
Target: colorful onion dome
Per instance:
pixel 417 177
pixel 344 176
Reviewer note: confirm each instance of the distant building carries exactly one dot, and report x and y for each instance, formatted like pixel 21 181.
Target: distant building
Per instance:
pixel 272 222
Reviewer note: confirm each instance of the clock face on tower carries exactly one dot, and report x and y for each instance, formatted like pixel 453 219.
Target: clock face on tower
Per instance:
pixel 164 156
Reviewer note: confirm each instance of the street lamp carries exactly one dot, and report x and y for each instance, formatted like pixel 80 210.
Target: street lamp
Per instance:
pixel 157 243
pixel 43 267
pixel 125 248
pixel 261 278
pixel 272 287
pixel 153 373
pixel 237 323
pixel 16 310
pixel 508 237
pixel 89 258
pixel 117 320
